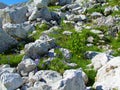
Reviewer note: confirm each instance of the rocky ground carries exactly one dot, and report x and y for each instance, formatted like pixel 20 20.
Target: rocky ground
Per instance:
pixel 60 45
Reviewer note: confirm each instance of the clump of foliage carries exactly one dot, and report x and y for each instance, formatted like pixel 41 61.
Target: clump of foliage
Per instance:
pixel 11 59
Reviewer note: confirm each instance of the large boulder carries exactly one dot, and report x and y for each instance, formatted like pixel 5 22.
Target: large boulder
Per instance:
pixel 26 66
pixel 10 81
pixel 2 5
pixel 42 13
pixel 14 15
pixel 18 31
pixel 100 60
pixel 39 47
pixel 15 30
pixel 6 41
pixel 72 80
pixel 108 77
pixel 41 3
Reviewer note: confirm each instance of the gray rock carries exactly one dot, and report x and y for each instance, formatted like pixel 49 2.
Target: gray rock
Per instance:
pixel 42 13
pixel 6 41
pixel 108 11
pixel 67 33
pixel 64 2
pixel 108 21
pixel 66 53
pixel 14 15
pixel 26 66
pixel 15 30
pixel 72 80
pixel 39 47
pixel 96 15
pixel 10 81
pixel 41 3
pixel 6 68
pixel 90 39
pixel 55 17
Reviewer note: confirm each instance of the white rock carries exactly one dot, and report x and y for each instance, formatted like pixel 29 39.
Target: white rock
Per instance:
pixel 108 11
pixel 108 21
pixel 41 3
pixel 64 2
pixel 48 76
pixel 72 80
pixel 96 15
pixel 100 60
pixel 108 76
pixel 10 81
pixel 39 47
pixel 14 15
pixel 66 53
pixel 67 33
pixel 15 30
pixel 26 65
pixel 6 68
pixel 42 13
pixel 6 41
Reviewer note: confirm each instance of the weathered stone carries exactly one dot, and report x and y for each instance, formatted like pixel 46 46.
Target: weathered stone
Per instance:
pixel 39 47
pixel 72 80
pixel 47 76
pixel 15 30
pixel 26 66
pixel 10 81
pixel 108 76
pixel 108 11
pixel 42 13
pixel 100 60
pixel 66 53
pixel 11 15
pixel 6 41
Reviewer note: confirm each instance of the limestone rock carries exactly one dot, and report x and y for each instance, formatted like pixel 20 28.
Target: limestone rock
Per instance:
pixel 42 13
pixel 100 60
pixel 41 3
pixel 108 76
pixel 15 30
pixel 14 15
pixel 26 66
pixel 10 81
pixel 39 47
pixel 72 80
pixel 66 53
pixel 6 41
pixel 48 76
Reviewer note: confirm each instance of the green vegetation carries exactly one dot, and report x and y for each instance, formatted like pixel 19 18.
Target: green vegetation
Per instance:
pixel 54 8
pixel 12 59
